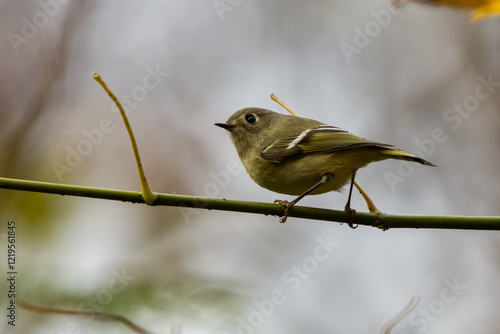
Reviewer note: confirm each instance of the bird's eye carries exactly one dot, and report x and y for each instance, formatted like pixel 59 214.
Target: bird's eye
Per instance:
pixel 251 118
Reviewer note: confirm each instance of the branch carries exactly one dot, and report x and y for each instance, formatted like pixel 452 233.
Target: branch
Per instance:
pixel 98 315
pixel 382 221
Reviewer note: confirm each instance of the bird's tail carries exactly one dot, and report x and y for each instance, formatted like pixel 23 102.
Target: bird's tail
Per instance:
pixel 401 155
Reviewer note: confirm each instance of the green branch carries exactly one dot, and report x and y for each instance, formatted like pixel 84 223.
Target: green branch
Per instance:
pixel 383 221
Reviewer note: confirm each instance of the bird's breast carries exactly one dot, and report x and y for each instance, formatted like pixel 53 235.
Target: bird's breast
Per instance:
pixel 296 175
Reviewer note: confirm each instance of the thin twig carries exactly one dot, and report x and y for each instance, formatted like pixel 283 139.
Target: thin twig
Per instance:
pixel 98 315
pixel 389 325
pixel 281 103
pixel 369 203
pixel 149 196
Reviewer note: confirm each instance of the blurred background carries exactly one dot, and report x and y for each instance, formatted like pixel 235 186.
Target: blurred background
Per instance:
pixel 417 78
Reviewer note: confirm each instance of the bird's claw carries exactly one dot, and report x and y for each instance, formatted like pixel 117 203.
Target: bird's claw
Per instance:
pixel 352 212
pixel 281 202
pixel 287 206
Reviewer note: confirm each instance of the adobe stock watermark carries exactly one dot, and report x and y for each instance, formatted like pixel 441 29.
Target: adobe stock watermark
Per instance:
pixel 223 6
pixel 150 81
pixel 219 181
pixel 95 136
pixel 371 29
pixel 117 283
pixel 424 316
pixel 293 279
pixel 31 27
pixel 454 118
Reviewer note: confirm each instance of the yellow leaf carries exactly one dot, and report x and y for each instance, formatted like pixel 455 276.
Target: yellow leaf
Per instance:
pixel 482 8
pixel 493 8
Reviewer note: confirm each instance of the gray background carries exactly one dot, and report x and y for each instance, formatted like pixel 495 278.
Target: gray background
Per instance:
pixel 202 270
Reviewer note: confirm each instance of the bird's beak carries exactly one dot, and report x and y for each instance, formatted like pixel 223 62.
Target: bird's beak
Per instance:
pixel 226 126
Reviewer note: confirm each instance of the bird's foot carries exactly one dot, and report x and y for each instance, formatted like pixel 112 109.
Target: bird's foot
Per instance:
pixel 352 212
pixel 287 206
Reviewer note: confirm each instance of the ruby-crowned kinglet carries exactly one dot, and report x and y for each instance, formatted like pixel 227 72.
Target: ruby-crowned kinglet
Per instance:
pixel 299 156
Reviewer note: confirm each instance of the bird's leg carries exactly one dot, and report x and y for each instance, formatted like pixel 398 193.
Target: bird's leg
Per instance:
pixel 289 205
pixel 348 204
pixel 347 208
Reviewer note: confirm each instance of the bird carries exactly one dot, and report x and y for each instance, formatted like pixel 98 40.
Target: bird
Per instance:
pixel 299 156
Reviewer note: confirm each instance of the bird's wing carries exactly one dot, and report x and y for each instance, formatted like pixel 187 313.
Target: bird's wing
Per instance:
pixel 323 139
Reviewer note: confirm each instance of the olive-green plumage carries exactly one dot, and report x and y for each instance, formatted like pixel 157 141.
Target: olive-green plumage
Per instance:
pixel 288 154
